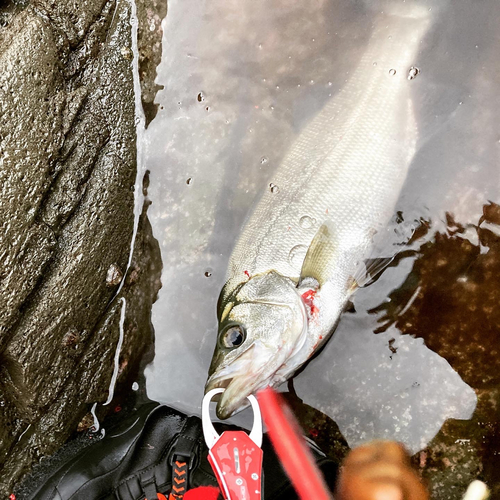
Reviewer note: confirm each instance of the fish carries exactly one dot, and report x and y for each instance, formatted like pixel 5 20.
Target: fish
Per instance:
pixel 302 251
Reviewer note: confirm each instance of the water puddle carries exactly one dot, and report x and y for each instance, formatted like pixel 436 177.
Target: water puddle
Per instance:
pixel 241 81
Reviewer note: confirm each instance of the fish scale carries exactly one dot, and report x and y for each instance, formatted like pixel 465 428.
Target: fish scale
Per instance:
pixel 345 171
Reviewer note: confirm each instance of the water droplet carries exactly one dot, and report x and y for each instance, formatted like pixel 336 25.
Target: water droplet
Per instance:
pixel 260 46
pixel 390 37
pixel 274 188
pixel 208 273
pixel 277 87
pixel 135 386
pixel 375 63
pixel 392 72
pixel 207 108
pixel 297 255
pixel 189 180
pixel 264 160
pixel 201 97
pixel 311 82
pixel 306 222
pixel 329 84
pixel 413 72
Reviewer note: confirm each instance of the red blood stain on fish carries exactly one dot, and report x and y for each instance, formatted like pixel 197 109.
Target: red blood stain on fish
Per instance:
pixel 247 273
pixel 308 298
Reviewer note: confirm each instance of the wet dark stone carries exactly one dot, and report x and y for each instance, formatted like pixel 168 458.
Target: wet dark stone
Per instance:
pixel 318 427
pixel 455 292
pixel 114 275
pixel 67 169
pixel 150 14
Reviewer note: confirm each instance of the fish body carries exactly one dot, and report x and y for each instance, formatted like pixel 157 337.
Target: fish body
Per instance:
pixel 297 260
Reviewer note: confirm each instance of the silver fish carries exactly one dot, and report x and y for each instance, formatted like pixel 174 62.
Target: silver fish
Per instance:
pixel 297 260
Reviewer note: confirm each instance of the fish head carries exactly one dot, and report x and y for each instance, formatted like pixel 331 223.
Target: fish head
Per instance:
pixel 262 323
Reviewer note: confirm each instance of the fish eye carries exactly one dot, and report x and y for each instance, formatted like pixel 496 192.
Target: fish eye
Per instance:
pixel 233 336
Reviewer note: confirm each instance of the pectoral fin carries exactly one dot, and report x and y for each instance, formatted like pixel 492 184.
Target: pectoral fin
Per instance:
pixel 371 270
pixel 319 262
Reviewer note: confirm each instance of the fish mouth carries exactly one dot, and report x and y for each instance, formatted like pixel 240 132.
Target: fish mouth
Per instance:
pixel 241 378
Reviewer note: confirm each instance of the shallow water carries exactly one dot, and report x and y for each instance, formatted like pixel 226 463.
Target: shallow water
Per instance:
pixel 241 80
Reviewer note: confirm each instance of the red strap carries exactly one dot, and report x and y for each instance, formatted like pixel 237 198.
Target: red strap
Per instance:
pixel 179 481
pixel 203 493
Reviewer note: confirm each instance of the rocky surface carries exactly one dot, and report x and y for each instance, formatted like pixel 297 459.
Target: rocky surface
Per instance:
pixel 67 175
pixel 454 288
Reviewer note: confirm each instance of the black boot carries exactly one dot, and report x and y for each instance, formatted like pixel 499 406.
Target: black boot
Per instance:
pixel 135 460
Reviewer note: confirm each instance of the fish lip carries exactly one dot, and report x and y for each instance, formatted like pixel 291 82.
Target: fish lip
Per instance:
pixel 240 380
pixel 225 409
pixel 223 375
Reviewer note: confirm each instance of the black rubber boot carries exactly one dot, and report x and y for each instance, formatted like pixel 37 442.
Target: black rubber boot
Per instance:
pixel 135 460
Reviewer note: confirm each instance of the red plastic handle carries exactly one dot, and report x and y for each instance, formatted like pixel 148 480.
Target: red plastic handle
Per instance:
pixel 291 448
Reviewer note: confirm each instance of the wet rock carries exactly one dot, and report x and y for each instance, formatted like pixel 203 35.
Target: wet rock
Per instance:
pixel 150 14
pixel 455 294
pixel 318 427
pixel 85 423
pixel 114 275
pixel 67 171
pixel 71 339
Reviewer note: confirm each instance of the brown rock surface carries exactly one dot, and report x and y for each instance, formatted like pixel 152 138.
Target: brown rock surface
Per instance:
pixel 67 175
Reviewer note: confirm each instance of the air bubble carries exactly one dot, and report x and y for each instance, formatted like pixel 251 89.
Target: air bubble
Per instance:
pixel 413 72
pixel 297 255
pixel 201 97
pixel 306 222
pixel 264 160
pixel 274 188
pixel 208 273
pixel 392 72
pixel 135 386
